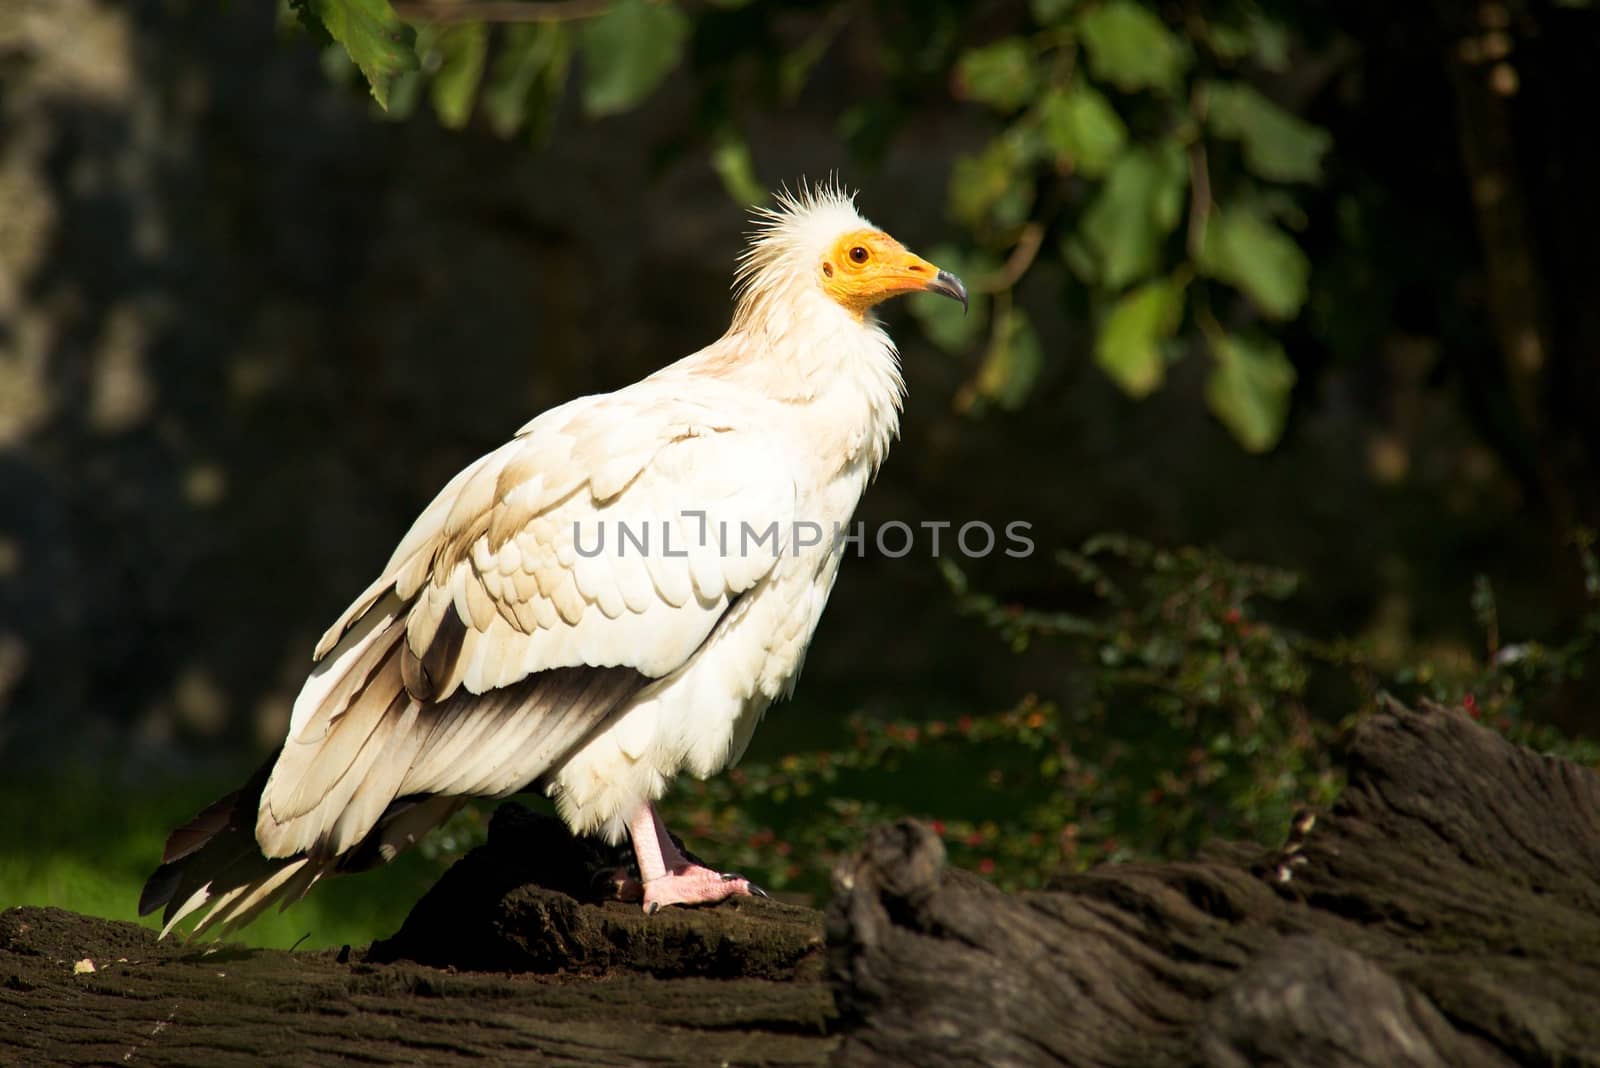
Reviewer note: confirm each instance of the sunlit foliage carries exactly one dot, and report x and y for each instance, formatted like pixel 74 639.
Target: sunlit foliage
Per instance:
pixel 1147 159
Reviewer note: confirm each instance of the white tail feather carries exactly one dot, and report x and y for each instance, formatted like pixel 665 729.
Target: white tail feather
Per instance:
pixel 241 904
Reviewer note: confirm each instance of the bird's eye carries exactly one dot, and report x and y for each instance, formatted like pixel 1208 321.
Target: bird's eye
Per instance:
pixel 858 255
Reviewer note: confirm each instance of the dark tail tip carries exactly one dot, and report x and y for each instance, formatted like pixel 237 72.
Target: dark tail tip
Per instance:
pixel 158 889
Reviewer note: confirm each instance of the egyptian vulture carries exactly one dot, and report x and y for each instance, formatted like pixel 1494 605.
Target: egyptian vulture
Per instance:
pixel 612 597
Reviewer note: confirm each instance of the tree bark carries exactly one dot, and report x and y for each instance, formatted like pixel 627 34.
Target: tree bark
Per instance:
pixel 1447 912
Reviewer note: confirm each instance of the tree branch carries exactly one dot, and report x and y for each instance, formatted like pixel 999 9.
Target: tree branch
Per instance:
pixel 1199 180
pixel 1017 264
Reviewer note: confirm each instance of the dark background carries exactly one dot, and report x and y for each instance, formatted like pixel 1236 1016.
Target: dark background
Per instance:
pixel 248 327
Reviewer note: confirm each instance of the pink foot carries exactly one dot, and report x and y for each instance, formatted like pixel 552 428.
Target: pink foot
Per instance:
pixel 693 885
pixel 667 877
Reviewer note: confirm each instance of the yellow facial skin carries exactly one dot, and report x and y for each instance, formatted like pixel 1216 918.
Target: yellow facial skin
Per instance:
pixel 867 267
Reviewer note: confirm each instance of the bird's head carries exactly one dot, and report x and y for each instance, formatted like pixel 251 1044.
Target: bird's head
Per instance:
pixel 815 237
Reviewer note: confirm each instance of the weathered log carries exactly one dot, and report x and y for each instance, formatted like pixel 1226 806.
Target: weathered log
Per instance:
pixel 510 956
pixel 150 1003
pixel 530 900
pixel 1446 913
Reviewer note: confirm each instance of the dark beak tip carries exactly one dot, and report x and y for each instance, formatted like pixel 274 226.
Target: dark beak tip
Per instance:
pixel 949 285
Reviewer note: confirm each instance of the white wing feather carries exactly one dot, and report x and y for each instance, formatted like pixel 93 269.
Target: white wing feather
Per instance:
pixel 499 580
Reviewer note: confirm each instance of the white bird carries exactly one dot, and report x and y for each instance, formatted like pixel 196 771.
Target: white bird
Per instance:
pixel 612 597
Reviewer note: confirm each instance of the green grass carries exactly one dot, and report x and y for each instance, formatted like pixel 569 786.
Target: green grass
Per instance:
pixel 85 844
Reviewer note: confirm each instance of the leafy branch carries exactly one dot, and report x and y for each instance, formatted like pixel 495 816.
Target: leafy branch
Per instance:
pixel 1112 130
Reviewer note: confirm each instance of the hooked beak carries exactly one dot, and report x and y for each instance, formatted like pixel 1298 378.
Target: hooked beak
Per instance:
pixel 905 272
pixel 948 285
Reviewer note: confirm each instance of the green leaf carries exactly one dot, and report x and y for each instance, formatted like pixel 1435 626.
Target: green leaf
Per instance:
pixel 377 41
pixel 944 321
pixel 1000 75
pixel 1245 250
pixel 336 64
pixel 1130 341
pixel 995 185
pixel 629 51
pixel 1226 41
pixel 1131 48
pixel 1136 208
pixel 530 75
pixel 1270 42
pixel 1277 145
pixel 298 13
pixel 1080 258
pixel 405 90
pixel 1050 12
pixel 1249 389
pixel 730 158
pixel 1009 367
pixel 462 52
pixel 1081 128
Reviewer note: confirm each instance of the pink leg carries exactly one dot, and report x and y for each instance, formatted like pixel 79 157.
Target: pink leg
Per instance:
pixel 668 876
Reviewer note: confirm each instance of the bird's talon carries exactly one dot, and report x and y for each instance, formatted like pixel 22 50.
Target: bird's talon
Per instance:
pixel 750 887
